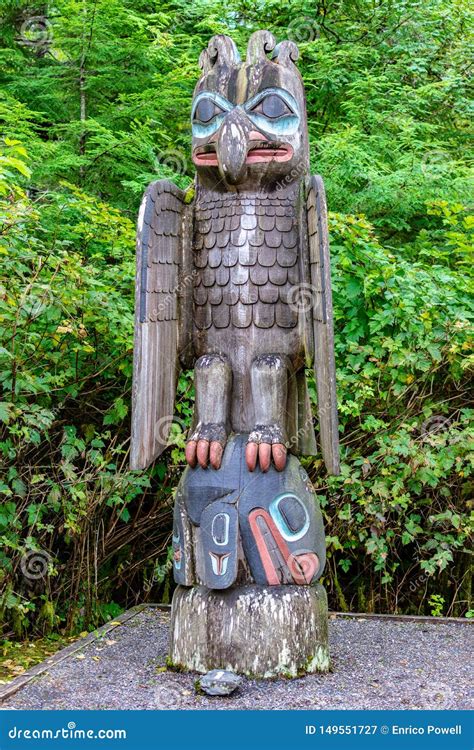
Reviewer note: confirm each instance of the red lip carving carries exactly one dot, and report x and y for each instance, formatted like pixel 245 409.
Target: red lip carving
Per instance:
pixel 208 159
pixel 282 153
pixel 259 151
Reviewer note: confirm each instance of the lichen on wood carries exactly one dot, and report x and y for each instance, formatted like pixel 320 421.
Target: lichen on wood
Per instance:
pixel 259 631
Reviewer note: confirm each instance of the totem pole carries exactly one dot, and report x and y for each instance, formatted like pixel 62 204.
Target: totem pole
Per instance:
pixel 236 283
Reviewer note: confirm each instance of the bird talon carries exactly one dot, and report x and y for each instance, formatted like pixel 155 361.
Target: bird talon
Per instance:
pixel 266 443
pixel 215 454
pixel 203 453
pixel 206 446
pixel 190 453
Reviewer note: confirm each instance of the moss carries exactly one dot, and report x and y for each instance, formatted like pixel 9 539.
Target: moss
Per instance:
pixel 174 667
pixel 189 194
pixel 319 662
pixel 16 657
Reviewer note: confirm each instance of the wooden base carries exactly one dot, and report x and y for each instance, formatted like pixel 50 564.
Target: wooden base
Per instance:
pixel 259 631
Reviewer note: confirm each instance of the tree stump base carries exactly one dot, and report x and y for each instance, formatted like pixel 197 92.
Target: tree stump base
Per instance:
pixel 259 631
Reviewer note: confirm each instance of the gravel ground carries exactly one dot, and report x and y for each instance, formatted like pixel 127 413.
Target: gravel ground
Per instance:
pixel 376 665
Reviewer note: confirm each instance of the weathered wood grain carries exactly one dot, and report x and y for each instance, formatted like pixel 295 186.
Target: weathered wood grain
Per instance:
pixel 260 631
pixel 159 293
pixel 324 366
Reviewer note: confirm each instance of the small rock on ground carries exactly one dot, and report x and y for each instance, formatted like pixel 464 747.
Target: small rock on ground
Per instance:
pixel 219 682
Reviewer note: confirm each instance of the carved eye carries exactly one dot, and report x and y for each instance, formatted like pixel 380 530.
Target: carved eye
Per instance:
pixel 206 110
pixel 272 106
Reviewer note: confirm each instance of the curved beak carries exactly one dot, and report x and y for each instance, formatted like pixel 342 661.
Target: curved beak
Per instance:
pixel 236 145
pixel 232 146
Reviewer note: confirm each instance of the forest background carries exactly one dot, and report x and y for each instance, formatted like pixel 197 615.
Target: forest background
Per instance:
pixel 94 104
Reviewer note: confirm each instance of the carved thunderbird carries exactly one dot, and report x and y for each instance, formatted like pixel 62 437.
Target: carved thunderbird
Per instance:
pixel 237 283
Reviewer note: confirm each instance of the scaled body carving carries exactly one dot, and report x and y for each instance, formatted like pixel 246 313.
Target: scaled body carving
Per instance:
pixel 237 285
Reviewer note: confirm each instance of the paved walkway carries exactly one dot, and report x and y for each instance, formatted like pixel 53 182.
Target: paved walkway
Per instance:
pixel 376 664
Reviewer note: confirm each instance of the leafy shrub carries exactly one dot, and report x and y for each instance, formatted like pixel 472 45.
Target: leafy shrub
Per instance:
pixel 399 518
pixel 66 334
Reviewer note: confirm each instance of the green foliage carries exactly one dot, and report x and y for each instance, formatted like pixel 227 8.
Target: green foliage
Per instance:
pixel 404 354
pixel 66 332
pixel 436 603
pixel 16 657
pixel 93 105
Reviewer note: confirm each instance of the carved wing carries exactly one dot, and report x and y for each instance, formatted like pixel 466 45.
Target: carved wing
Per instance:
pixel 323 335
pixel 160 255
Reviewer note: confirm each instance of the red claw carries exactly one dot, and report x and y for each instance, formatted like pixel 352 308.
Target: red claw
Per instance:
pixel 264 453
pixel 203 453
pixel 251 454
pixel 216 452
pixel 190 453
pixel 264 456
pixel 279 456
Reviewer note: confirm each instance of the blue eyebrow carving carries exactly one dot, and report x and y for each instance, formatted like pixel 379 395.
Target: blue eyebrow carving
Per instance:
pixel 287 98
pixel 286 125
pixel 216 98
pixel 201 130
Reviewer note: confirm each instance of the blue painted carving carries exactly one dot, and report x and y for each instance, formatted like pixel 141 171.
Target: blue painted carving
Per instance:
pixel 219 549
pixel 290 545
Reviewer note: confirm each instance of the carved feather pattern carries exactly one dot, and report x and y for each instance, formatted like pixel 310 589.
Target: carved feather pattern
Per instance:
pixel 160 238
pixel 245 252
pixel 159 244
